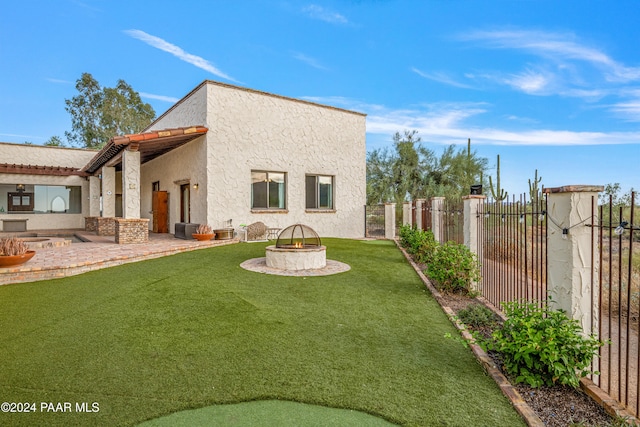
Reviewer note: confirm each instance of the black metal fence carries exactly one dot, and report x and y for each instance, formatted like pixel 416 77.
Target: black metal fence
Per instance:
pixel 374 221
pixel 513 250
pixel 616 256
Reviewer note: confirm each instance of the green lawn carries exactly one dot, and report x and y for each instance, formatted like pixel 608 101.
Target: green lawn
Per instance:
pixel 148 339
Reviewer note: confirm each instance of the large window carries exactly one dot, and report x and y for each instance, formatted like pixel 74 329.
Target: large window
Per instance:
pixel 41 198
pixel 319 192
pixel 268 190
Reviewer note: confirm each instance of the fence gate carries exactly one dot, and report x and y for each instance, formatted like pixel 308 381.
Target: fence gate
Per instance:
pixel 374 221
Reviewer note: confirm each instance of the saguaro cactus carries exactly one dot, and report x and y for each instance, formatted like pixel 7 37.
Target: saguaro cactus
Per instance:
pixel 534 190
pixel 498 193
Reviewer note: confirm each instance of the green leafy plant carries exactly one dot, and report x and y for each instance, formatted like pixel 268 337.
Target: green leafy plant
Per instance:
pixel 453 267
pixel 419 243
pixel 477 316
pixel 541 346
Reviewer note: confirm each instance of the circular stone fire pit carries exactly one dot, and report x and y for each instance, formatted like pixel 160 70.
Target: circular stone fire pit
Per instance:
pixel 298 248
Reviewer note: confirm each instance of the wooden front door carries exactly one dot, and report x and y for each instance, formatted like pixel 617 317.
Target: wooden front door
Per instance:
pixel 160 208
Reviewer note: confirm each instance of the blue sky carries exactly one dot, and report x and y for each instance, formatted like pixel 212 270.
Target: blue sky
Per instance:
pixel 548 85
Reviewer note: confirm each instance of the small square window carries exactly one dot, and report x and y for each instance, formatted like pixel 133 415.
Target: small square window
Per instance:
pixel 268 190
pixel 319 191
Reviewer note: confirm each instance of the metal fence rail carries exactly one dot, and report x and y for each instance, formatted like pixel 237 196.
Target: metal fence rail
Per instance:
pixel 616 246
pixel 452 227
pixel 513 250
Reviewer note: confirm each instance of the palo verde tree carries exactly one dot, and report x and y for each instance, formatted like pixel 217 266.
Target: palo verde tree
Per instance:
pixel 99 113
pixel 413 171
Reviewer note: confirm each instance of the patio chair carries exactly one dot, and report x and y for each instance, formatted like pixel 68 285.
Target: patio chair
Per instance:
pixel 256 231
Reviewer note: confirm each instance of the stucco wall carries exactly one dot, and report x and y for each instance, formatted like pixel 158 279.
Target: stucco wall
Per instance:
pixel 28 154
pixel 46 156
pixel 251 130
pixel 184 164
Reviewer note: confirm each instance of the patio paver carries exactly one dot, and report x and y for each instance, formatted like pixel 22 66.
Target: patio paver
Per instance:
pixel 98 252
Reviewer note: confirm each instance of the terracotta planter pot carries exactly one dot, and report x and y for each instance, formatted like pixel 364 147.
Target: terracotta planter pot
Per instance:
pixel 11 260
pixel 203 237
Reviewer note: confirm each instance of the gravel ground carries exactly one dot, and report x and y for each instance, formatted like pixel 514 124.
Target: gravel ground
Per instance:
pixel 557 406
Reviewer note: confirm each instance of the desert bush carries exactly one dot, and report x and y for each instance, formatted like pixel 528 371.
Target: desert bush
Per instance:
pixel 204 229
pixel 541 346
pixel 419 243
pixel 478 316
pixel 453 268
pixel 12 246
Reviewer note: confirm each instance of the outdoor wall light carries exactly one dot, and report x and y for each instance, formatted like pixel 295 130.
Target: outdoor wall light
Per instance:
pixel 565 233
pixel 195 186
pixel 20 188
pixel 620 229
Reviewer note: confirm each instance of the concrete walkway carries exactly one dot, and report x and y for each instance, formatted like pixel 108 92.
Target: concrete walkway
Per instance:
pixel 95 253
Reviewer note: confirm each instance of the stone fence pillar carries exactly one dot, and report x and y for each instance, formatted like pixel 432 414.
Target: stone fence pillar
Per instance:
pixel 406 213
pixel 569 280
pixel 389 221
pixel 437 205
pixel 473 227
pixel 419 206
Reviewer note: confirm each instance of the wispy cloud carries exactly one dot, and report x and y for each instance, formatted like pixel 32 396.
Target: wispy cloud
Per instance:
pixel 451 123
pixel 52 80
pixel 318 12
pixel 309 61
pixel 559 47
pixel 529 81
pixel 441 77
pixel 159 97
pixel 178 52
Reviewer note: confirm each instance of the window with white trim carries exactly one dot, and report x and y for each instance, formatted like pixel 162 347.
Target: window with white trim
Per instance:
pixel 319 191
pixel 268 190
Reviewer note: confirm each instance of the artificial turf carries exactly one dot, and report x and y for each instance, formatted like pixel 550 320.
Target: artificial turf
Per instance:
pixel 151 338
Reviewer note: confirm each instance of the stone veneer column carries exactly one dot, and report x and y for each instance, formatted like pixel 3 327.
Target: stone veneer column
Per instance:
pixel 473 227
pixel 389 221
pixel 406 213
pixel 94 196
pixel 131 184
pixel 132 230
pixel 108 192
pixel 436 217
pixel 568 260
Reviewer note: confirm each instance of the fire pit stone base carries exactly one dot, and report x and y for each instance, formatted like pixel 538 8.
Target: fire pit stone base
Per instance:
pixel 296 258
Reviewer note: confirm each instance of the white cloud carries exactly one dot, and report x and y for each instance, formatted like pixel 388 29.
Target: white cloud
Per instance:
pixel 309 61
pixel 52 80
pixel 529 81
pixel 159 97
pixel 557 46
pixel 441 78
pixel 178 52
pixel 318 12
pixel 629 111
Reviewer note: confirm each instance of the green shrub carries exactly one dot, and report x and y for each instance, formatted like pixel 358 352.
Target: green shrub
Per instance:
pixel 419 243
pixel 453 268
pixel 478 316
pixel 541 346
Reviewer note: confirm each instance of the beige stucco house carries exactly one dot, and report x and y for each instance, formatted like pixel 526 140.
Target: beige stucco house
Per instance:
pixel 222 154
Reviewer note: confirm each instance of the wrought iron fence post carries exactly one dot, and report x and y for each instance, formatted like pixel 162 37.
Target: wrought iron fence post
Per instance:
pixel 471 206
pixel 569 246
pixel 389 220
pixel 437 206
